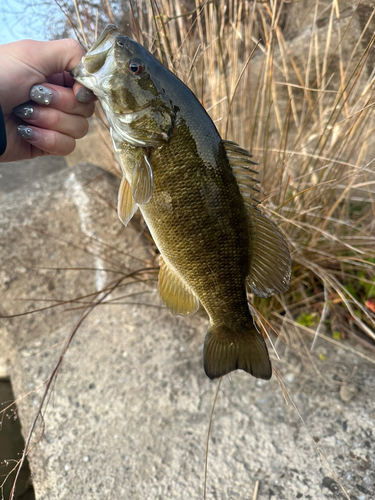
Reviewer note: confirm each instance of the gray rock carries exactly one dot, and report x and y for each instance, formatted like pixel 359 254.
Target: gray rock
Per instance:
pixel 128 414
pixel 21 174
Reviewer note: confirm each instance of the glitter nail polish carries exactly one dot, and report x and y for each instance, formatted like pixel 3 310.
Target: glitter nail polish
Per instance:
pixel 25 132
pixel 41 94
pixel 23 111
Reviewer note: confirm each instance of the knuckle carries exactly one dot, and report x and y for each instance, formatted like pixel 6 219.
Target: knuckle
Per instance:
pixel 70 147
pixel 55 117
pixel 73 45
pixel 61 144
pixel 70 103
pixel 84 128
pixel 53 142
pixel 81 127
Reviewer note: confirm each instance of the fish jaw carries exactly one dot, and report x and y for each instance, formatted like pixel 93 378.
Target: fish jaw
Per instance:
pixel 106 37
pixel 97 64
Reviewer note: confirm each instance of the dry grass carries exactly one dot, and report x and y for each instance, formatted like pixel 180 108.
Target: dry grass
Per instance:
pixel 303 104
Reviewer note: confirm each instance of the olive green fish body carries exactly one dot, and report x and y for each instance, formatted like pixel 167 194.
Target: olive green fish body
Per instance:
pixel 195 192
pixel 201 233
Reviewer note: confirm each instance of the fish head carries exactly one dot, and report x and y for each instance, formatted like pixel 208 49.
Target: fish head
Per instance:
pixel 123 75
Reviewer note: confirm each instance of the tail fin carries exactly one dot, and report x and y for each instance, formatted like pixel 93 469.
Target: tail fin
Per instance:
pixel 226 350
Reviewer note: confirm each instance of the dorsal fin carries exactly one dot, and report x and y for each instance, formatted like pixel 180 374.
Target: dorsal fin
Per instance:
pixel 174 293
pixel 240 161
pixel 270 262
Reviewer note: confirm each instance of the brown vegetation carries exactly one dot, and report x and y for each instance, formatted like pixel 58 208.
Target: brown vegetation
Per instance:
pixel 294 84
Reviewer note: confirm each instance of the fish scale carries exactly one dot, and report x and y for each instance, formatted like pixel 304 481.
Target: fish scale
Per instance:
pixel 196 193
pixel 225 249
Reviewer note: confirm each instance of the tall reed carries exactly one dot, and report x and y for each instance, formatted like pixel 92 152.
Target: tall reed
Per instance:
pixel 302 102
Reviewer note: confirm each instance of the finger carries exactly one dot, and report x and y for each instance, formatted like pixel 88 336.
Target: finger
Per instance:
pixel 50 118
pixel 66 80
pixel 29 62
pixel 49 141
pixel 60 98
pixel 84 95
pixel 63 79
pixel 17 148
pixel 56 56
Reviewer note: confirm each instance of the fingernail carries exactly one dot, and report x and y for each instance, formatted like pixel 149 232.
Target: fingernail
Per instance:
pixel 26 132
pixel 23 111
pixel 83 95
pixel 41 94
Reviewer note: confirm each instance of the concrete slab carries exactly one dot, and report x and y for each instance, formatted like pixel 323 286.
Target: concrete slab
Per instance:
pixel 128 414
pixel 22 174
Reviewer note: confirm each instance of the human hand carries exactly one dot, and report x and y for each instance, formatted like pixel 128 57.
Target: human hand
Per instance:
pixel 54 119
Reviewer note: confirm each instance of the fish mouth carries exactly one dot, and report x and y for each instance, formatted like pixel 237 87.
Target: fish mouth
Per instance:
pixel 137 110
pixel 96 57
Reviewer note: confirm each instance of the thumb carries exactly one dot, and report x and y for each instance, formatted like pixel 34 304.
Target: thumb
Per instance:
pixel 29 62
pixel 56 56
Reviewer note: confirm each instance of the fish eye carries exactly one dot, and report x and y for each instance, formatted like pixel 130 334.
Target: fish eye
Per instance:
pixel 135 68
pixel 120 44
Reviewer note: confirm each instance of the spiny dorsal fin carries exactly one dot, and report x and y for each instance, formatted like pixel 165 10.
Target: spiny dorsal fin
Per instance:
pixel 142 181
pixel 270 262
pixel 174 293
pixel 126 206
pixel 240 161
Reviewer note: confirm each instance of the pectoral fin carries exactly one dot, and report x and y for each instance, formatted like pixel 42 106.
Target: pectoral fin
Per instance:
pixel 270 262
pixel 174 293
pixel 126 206
pixel 142 181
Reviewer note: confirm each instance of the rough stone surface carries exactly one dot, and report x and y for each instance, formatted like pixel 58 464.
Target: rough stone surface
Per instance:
pixel 27 173
pixel 128 414
pixel 95 148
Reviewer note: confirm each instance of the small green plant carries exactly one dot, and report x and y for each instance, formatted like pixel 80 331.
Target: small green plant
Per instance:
pixel 367 283
pixel 306 319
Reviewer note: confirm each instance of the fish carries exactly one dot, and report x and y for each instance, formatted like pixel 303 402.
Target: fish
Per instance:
pixel 197 194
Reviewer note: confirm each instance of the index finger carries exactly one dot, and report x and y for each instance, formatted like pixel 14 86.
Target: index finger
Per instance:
pixel 65 80
pixel 62 79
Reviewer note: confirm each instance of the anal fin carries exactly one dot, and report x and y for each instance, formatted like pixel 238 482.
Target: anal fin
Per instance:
pixel 174 293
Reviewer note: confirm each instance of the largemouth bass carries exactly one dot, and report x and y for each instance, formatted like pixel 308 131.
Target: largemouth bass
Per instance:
pixel 196 193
